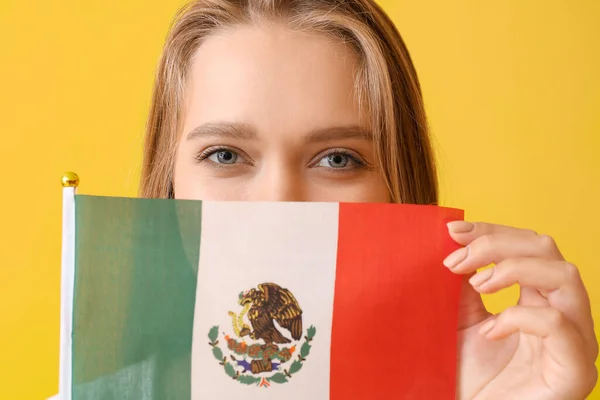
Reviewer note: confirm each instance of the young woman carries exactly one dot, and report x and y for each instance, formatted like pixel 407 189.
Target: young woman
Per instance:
pixel 317 100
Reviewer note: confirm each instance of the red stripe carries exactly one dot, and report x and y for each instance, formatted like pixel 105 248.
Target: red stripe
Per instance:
pixel 395 306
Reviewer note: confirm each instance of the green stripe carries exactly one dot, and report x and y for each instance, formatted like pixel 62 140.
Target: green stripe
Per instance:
pixel 136 266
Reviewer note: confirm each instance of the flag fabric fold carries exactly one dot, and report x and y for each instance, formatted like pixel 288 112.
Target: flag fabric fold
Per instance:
pixel 183 299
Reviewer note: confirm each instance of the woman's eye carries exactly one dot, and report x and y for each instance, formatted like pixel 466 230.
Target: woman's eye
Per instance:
pixel 223 157
pixel 335 160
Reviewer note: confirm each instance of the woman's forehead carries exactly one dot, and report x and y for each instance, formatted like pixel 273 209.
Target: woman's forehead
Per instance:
pixel 274 80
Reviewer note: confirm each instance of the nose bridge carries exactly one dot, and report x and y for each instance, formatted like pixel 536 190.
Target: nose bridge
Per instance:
pixel 278 181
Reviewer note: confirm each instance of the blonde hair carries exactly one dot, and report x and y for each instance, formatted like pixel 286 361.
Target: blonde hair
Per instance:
pixel 386 84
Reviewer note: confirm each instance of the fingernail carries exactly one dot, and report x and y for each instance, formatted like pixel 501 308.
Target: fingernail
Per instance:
pixel 456 258
pixel 487 327
pixel 481 277
pixel 460 226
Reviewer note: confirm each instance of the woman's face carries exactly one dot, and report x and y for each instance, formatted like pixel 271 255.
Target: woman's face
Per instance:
pixel 271 115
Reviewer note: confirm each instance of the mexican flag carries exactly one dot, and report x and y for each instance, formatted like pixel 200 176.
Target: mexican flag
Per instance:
pixel 179 299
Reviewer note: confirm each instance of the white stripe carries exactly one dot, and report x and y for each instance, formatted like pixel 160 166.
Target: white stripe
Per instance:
pixel 244 244
pixel 66 293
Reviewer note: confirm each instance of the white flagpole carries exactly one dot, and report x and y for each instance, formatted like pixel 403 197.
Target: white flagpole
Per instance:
pixel 70 181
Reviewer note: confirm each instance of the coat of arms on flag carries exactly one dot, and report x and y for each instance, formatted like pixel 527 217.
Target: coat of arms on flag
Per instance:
pixel 260 352
pixel 166 299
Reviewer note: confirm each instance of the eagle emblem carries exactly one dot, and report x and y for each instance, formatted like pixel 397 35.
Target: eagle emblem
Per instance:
pixel 267 343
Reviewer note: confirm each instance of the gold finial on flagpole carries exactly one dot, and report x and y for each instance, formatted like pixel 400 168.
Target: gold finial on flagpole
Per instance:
pixel 70 179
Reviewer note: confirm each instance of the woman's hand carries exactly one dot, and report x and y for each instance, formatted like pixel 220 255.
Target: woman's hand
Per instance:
pixel 543 348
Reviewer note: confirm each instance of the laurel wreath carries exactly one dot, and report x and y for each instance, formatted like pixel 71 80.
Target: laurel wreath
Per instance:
pixel 279 377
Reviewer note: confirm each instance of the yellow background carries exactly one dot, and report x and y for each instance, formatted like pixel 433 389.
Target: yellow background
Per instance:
pixel 511 87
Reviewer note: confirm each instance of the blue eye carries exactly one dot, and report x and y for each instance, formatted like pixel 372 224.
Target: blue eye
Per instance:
pixel 223 157
pixel 340 160
pixel 334 160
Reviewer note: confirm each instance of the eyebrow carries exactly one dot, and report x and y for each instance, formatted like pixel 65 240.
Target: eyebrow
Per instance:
pixel 222 130
pixel 339 132
pixel 242 131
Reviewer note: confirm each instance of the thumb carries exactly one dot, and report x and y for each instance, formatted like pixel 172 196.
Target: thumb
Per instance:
pixel 471 309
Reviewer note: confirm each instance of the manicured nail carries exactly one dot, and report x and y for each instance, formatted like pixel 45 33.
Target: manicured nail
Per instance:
pixel 487 327
pixel 481 277
pixel 460 226
pixel 456 258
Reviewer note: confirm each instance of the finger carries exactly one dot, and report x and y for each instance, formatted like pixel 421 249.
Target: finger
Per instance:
pixel 559 282
pixel 545 275
pixel 464 232
pixel 562 340
pixel 497 247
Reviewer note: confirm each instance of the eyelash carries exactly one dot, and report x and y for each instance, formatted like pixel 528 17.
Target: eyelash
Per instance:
pixel 204 154
pixel 357 160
